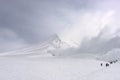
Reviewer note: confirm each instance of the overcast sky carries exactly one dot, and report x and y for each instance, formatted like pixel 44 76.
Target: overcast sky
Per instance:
pixel 82 22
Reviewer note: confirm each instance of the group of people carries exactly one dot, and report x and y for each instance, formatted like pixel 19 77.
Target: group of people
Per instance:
pixel 108 64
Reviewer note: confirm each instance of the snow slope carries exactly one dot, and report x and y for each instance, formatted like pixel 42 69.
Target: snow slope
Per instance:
pixel 14 65
pixel 111 55
pixel 45 48
pixel 18 68
pixel 110 73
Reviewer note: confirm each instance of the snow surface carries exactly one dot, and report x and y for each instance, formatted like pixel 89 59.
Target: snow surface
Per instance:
pixel 110 73
pixel 52 61
pixel 55 68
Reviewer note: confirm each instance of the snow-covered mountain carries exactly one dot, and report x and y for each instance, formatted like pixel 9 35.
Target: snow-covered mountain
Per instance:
pixel 45 48
pixel 112 55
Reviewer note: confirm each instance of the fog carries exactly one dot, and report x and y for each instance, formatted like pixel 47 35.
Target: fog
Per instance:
pixel 91 24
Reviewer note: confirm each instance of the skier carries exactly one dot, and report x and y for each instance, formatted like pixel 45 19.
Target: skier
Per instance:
pixel 101 64
pixel 111 62
pixel 107 64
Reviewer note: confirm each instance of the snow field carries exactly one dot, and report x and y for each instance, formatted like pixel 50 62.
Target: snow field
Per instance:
pixel 46 68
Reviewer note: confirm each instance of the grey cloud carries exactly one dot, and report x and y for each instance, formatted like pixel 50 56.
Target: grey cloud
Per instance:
pixel 33 21
pixel 99 45
pixel 9 40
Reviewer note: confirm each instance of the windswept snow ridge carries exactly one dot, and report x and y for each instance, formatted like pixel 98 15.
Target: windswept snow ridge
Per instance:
pixel 15 65
pixel 44 49
pixel 111 55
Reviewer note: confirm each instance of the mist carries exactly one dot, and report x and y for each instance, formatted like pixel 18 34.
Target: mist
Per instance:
pixel 87 24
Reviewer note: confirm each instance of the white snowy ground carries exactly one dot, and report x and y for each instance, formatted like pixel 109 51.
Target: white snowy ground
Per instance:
pixel 21 68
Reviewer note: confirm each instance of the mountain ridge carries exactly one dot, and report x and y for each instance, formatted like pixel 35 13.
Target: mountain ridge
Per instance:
pixel 46 47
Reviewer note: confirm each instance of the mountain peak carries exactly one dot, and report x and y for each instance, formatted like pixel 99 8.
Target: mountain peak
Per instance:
pixel 57 42
pixel 49 46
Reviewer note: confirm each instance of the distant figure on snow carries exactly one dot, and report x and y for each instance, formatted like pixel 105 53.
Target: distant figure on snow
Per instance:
pixel 101 64
pixel 111 62
pixel 115 61
pixel 107 64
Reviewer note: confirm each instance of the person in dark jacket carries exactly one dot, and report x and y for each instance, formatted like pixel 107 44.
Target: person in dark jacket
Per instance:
pixel 101 64
pixel 111 62
pixel 107 64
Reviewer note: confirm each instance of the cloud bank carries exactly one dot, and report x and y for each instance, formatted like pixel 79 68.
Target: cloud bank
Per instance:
pixel 78 22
